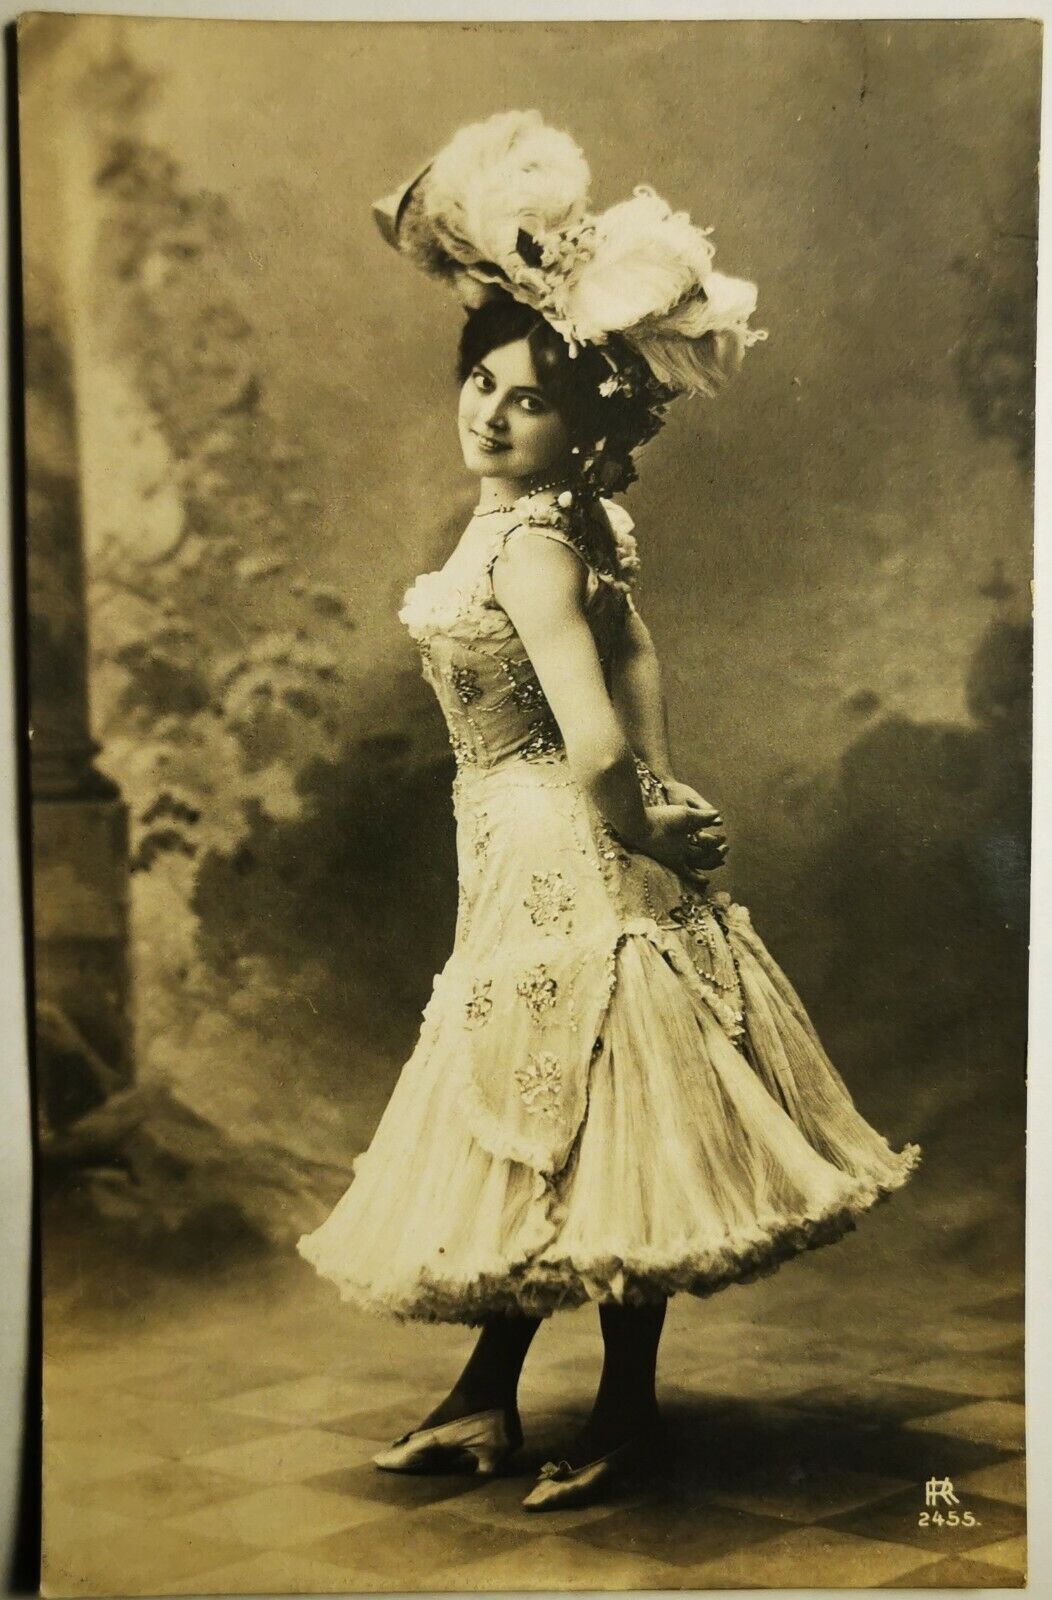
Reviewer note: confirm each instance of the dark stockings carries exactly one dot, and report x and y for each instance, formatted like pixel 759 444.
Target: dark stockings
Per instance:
pixel 625 1402
pixel 491 1376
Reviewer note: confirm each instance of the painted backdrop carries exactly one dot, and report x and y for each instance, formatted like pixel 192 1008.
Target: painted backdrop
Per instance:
pixel 836 554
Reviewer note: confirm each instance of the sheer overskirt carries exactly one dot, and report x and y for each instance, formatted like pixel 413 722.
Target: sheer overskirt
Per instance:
pixel 688 1174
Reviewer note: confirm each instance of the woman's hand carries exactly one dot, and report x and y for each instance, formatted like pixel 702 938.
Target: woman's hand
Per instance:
pixel 680 837
pixel 681 794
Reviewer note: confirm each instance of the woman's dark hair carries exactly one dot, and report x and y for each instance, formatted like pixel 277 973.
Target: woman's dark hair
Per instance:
pixel 571 383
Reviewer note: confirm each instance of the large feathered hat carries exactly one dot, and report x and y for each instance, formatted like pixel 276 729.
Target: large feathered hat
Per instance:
pixel 503 209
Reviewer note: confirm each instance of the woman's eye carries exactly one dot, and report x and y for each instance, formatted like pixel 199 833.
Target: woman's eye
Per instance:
pixel 530 403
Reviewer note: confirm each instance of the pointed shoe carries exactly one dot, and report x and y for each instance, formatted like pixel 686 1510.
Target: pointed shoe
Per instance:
pixel 481 1443
pixel 560 1484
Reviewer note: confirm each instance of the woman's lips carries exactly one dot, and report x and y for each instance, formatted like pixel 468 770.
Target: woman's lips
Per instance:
pixel 491 445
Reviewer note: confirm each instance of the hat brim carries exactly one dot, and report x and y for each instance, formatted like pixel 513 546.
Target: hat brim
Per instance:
pixel 388 212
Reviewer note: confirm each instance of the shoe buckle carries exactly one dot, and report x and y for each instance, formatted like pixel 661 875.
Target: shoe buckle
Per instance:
pixel 556 1470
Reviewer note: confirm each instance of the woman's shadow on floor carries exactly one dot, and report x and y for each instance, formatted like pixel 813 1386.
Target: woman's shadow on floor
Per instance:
pixel 717 1444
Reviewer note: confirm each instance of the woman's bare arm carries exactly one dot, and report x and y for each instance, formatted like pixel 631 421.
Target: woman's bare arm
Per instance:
pixel 540 583
pixel 638 696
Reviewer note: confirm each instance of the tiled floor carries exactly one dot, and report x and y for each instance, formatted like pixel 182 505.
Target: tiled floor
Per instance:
pixel 218 1441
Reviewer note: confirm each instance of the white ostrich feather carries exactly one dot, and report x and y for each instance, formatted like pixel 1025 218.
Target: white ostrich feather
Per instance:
pixel 647 259
pixel 496 177
pixel 693 366
pixel 701 343
pixel 723 303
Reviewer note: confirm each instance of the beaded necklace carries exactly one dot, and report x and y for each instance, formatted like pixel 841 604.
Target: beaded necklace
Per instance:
pixel 564 499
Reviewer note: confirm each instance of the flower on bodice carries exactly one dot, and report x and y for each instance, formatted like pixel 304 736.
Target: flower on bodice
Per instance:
pixel 540 1083
pixel 479 1005
pixel 627 546
pixel 550 898
pixel 538 988
pixel 627 554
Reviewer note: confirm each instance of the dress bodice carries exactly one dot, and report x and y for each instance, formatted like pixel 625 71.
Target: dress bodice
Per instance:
pixel 494 707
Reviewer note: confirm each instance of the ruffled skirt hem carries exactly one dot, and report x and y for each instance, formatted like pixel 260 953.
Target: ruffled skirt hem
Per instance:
pixel 701 1158
pixel 539 1287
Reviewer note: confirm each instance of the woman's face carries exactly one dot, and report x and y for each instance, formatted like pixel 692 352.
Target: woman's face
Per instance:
pixel 508 428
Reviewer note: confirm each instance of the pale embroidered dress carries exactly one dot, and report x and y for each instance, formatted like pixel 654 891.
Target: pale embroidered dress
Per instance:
pixel 616 1093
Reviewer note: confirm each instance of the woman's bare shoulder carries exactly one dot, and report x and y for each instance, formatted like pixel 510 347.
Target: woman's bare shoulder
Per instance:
pixel 537 553
pixel 539 574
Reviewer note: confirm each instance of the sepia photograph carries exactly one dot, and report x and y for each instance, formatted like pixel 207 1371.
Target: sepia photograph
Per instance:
pixel 528 546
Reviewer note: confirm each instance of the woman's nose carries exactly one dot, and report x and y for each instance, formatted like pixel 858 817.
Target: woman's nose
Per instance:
pixel 493 414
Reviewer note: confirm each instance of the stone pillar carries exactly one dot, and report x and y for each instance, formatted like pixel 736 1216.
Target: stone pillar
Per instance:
pixel 79 843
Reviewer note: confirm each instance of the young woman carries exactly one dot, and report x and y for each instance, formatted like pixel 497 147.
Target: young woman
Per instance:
pixel 616 1094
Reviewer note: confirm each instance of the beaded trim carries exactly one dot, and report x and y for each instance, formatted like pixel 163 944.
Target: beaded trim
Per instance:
pixel 694 915
pixel 654 791
pixel 545 740
pixel 465 681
